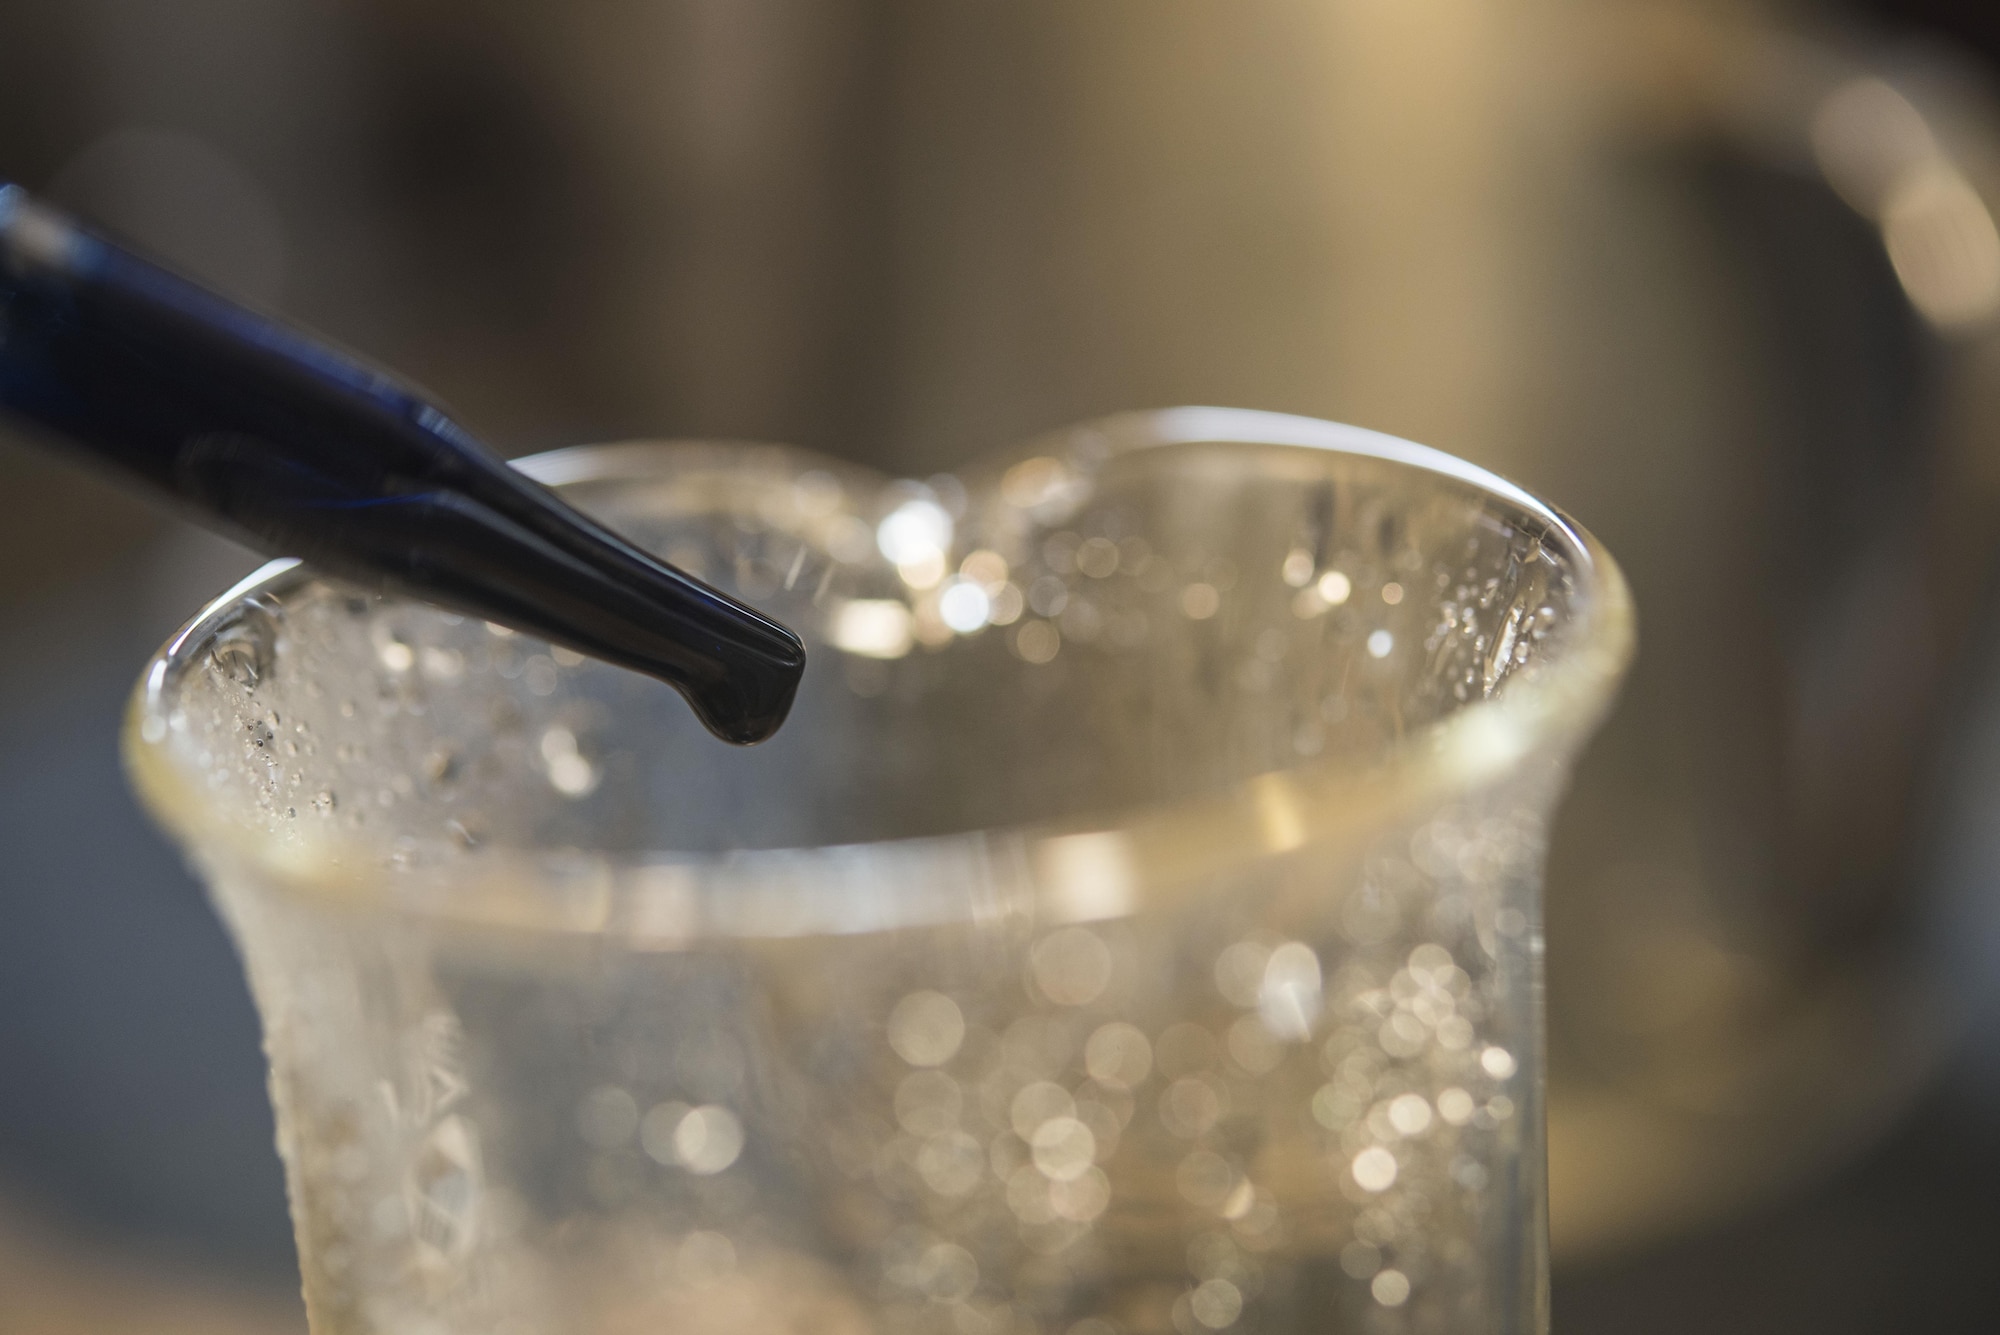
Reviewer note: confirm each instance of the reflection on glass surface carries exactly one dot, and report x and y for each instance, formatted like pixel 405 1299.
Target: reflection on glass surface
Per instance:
pixel 1153 947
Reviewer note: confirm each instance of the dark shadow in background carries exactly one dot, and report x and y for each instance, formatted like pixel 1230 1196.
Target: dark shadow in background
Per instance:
pixel 1905 1240
pixel 133 1101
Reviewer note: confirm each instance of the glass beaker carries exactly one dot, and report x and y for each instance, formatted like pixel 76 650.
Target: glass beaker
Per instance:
pixel 1135 929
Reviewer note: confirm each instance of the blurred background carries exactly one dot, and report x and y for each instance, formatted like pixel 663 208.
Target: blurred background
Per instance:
pixel 1722 279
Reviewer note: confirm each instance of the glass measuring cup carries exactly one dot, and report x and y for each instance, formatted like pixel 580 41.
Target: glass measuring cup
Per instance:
pixel 1135 930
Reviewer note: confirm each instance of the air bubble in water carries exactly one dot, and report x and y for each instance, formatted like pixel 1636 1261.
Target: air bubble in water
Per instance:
pixel 242 650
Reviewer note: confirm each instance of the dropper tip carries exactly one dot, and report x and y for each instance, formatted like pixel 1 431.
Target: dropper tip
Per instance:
pixel 750 704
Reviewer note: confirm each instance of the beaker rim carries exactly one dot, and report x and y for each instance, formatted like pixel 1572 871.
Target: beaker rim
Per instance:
pixel 1051 871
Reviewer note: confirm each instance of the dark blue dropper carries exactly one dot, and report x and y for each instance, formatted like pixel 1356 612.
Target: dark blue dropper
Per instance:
pixel 300 449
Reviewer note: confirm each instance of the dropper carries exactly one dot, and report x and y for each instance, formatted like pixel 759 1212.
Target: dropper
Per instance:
pixel 277 438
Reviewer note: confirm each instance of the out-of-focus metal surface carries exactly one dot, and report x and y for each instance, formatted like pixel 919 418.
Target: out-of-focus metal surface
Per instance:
pixel 1723 286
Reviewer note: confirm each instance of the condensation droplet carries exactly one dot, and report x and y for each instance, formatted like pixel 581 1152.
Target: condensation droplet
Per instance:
pixel 949 1273
pixel 872 627
pixel 704 1257
pixel 539 674
pixel 573 776
pixel 1190 1106
pixel 1429 960
pixel 1008 604
pixel 1374 1169
pixel 1028 1196
pixel 926 1028
pixel 1047 596
pixel 986 568
pixel 964 606
pixel 1252 1047
pixel 1118 1054
pixel 1063 1148
pixel 1239 972
pixel 1410 1114
pixel 1082 1198
pixel 570 772
pixel 1037 641
pixel 1288 998
pixel 1216 1304
pixel 1097 558
pixel 916 532
pixel 708 1140
pixel 951 1164
pixel 1205 1179
pixel 442 665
